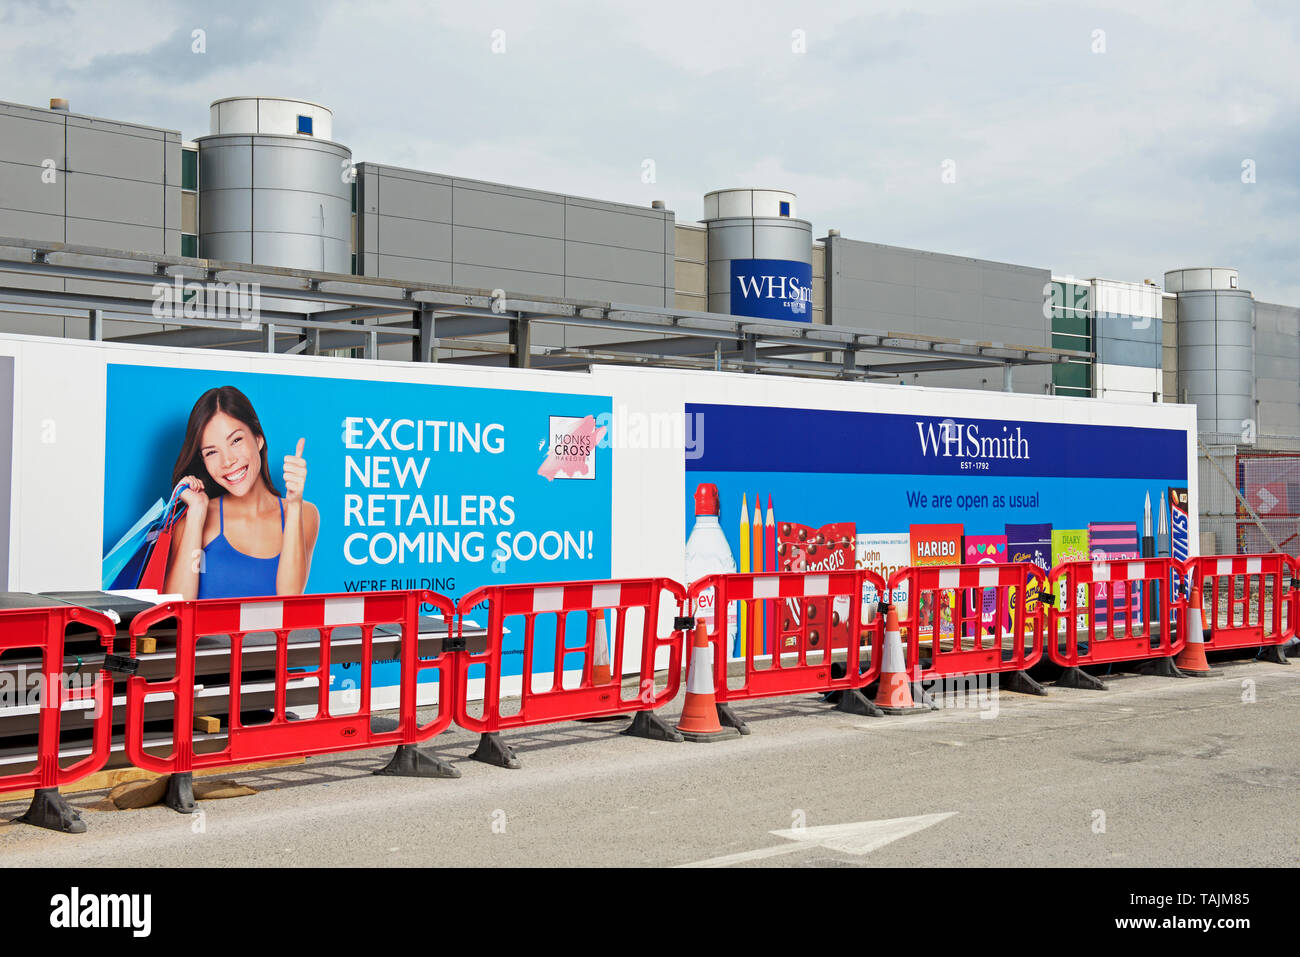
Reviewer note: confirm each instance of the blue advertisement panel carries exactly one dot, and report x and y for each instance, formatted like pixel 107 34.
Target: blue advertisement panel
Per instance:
pixel 803 489
pixel 320 485
pixel 771 289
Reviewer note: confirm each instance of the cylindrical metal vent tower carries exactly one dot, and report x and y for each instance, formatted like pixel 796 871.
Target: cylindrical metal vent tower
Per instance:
pixel 275 189
pixel 760 255
pixel 1216 351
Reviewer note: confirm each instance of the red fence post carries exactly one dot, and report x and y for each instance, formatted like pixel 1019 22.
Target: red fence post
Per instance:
pixel 44 630
pixel 551 603
pixel 1116 612
pixel 1249 602
pixel 286 619
pixel 808 608
pixel 974 609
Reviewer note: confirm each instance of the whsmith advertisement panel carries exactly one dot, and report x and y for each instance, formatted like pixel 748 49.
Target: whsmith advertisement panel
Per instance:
pixel 840 484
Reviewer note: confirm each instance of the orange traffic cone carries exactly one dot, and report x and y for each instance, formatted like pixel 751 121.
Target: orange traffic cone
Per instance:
pixel 1191 660
pixel 894 695
pixel 600 670
pixel 699 721
pixel 600 659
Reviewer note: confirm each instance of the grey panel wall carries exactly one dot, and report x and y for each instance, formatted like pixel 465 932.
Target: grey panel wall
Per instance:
pixel 871 286
pixel 117 184
pixel 1169 347
pixel 414 225
pixel 1277 371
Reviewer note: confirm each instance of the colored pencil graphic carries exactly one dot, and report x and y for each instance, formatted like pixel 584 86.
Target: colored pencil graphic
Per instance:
pixel 742 633
pixel 770 636
pixel 756 556
pixel 1148 551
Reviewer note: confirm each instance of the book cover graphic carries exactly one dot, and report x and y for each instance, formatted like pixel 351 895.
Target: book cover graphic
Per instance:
pixel 1031 544
pixel 1179 526
pixel 984 550
pixel 1071 545
pixel 883 553
pixel 827 549
pixel 1112 541
pixel 1178 523
pixel 936 545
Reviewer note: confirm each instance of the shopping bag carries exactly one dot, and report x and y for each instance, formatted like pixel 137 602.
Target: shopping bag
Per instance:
pixel 155 568
pixel 129 545
pixel 136 550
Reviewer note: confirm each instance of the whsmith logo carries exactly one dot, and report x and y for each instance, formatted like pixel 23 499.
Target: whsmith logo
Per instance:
pixel 951 439
pixel 794 295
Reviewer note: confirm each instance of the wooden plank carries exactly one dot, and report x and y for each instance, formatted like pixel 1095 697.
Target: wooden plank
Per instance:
pixel 207 724
pixel 107 780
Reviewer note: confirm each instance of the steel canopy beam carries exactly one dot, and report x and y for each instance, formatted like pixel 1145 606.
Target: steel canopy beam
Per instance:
pixel 346 311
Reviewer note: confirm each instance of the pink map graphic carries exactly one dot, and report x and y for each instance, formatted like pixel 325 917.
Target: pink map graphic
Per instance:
pixel 584 435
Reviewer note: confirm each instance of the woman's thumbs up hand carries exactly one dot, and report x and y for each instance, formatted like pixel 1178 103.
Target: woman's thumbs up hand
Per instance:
pixel 295 474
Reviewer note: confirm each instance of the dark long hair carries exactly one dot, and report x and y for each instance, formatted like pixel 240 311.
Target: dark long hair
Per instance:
pixel 233 403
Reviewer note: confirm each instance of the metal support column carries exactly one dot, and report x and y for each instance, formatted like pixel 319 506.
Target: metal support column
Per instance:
pixel 424 345
pixel 268 337
pixel 750 351
pixel 1006 377
pixel 519 338
pixel 96 332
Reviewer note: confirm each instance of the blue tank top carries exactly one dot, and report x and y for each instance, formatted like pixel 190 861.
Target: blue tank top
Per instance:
pixel 228 573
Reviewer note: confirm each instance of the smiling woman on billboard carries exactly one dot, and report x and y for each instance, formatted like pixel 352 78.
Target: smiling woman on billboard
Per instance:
pixel 255 542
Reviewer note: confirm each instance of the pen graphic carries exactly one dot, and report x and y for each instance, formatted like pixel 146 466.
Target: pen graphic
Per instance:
pixel 1148 551
pixel 756 557
pixel 771 634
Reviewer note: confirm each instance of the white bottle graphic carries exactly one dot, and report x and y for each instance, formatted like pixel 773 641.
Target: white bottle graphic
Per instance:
pixel 707 553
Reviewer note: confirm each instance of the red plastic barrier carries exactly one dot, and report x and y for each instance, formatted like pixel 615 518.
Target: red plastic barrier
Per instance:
pixel 590 698
pixel 1248 601
pixel 282 738
pixel 1293 609
pixel 801 598
pixel 1116 611
pixel 44 630
pixel 972 608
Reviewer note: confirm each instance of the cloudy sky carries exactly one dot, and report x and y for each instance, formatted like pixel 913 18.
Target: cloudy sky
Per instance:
pixel 1091 139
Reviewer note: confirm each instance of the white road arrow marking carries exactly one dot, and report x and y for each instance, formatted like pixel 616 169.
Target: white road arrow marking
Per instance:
pixel 857 839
